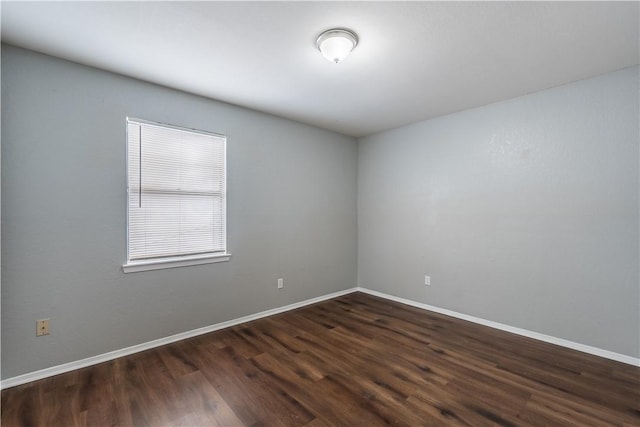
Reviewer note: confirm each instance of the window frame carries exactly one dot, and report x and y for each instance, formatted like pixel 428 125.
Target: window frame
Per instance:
pixel 136 265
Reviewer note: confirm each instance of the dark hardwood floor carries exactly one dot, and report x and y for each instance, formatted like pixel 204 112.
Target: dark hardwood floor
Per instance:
pixel 353 361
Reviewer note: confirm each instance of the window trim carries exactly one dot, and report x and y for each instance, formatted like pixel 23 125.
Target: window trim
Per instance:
pixel 132 266
pixel 162 263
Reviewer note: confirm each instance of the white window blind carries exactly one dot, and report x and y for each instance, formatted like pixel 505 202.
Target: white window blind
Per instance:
pixel 176 192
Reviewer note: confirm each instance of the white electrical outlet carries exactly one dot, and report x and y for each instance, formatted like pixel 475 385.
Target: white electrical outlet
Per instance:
pixel 427 280
pixel 280 283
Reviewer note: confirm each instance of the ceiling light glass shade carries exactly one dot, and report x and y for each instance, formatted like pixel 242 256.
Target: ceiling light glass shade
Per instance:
pixel 336 44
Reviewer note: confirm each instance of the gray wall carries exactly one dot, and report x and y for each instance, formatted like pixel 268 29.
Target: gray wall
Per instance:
pixel 523 212
pixel 291 214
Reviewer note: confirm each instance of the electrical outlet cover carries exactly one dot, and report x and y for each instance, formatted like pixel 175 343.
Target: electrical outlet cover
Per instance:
pixel 42 327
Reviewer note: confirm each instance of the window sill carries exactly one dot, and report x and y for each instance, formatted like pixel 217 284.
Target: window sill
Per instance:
pixel 159 264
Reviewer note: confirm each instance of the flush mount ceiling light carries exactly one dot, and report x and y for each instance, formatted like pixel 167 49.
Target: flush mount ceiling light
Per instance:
pixel 336 44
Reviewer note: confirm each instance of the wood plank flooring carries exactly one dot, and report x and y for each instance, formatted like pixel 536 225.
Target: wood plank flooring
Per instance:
pixel 356 360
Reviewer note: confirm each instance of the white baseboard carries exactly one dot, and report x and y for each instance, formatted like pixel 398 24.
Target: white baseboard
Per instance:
pixel 94 360
pixel 535 335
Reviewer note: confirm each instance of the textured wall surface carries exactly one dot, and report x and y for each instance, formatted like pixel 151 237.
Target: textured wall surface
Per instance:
pixel 291 214
pixel 523 212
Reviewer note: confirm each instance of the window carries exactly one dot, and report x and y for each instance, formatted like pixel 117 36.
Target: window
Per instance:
pixel 176 197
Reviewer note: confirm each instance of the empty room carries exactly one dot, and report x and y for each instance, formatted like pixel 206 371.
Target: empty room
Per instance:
pixel 320 213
